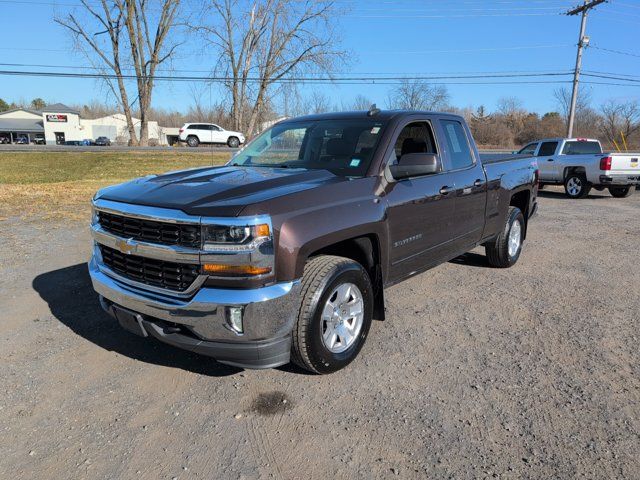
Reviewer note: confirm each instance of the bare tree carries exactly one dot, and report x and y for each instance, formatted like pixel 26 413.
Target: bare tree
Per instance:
pixel 319 102
pixel 619 119
pixel 136 39
pixel 418 95
pixel 361 103
pixel 263 42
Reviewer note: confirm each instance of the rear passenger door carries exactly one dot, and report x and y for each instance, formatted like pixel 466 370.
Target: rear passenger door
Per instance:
pixel 548 164
pixel 470 181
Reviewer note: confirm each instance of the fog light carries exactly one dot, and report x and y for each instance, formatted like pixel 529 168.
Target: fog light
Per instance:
pixel 234 319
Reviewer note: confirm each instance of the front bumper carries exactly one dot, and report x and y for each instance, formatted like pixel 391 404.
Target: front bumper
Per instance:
pixel 199 323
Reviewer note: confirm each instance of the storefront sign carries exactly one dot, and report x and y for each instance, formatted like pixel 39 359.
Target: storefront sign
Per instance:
pixel 56 118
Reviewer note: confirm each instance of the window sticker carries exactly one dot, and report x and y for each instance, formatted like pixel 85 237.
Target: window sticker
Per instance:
pixel 375 130
pixel 451 130
pixel 354 162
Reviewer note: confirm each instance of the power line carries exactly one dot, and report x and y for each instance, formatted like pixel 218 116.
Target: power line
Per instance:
pixel 615 51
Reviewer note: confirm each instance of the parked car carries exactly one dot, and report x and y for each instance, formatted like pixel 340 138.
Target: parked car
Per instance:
pixel 4 139
pixel 284 253
pixel 39 139
pixel 196 133
pixel 102 142
pixel 22 140
pixel 580 164
pixel 74 143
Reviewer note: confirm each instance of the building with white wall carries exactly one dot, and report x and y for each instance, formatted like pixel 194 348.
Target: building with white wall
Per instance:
pixel 57 124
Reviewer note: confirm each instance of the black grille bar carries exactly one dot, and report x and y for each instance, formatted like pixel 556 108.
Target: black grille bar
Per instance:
pixel 171 276
pixel 183 235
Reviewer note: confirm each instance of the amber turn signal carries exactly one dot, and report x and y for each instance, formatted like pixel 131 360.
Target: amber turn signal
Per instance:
pixel 234 270
pixel 262 230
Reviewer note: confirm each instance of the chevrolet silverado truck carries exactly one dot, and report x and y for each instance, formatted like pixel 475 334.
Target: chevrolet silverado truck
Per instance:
pixel 580 165
pixel 284 253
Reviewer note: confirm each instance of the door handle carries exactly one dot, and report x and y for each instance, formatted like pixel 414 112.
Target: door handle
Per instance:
pixel 550 160
pixel 446 190
pixel 478 183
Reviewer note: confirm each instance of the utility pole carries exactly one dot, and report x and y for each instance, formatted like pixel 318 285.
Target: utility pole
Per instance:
pixel 582 42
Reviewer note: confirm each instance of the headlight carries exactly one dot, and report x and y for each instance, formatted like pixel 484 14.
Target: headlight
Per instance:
pixel 234 237
pixel 237 250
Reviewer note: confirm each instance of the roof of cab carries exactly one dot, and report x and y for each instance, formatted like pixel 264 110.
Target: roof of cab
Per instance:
pixel 383 115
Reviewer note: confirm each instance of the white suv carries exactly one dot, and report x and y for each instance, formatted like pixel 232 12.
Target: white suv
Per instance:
pixel 196 133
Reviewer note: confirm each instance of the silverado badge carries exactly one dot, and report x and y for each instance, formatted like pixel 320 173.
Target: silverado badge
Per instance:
pixel 126 246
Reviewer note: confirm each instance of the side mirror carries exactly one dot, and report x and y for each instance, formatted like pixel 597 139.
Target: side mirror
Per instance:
pixel 514 152
pixel 415 165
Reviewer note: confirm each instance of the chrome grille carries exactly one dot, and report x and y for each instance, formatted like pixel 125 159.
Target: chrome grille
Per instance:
pixel 184 235
pixel 157 273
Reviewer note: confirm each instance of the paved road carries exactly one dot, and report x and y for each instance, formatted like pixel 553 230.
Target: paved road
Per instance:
pixel 529 372
pixel 112 148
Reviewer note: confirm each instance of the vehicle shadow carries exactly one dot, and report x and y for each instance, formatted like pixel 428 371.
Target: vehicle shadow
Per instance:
pixel 71 299
pixel 471 259
pixel 562 196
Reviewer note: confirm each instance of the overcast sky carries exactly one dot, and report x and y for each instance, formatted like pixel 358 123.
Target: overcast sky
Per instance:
pixel 401 37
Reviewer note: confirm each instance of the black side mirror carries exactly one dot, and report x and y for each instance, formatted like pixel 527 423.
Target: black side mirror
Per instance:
pixel 415 165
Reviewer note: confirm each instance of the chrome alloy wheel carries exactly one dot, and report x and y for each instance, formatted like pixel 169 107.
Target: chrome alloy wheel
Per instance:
pixel 342 317
pixel 574 186
pixel 515 238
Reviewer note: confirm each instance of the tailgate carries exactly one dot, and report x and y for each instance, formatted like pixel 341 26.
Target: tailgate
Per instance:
pixel 625 163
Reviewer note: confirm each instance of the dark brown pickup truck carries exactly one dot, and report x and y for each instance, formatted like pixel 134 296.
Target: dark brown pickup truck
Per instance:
pixel 284 253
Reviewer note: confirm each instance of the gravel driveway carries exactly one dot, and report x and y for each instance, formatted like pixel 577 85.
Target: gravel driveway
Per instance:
pixel 530 372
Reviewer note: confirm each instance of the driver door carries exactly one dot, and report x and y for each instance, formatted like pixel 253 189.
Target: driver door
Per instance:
pixel 420 210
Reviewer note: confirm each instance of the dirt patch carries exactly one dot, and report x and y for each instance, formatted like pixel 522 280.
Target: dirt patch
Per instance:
pixel 271 403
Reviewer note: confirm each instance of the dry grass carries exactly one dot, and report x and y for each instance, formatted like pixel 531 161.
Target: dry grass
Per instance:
pixel 60 185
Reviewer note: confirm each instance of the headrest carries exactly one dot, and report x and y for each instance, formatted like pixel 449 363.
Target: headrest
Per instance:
pixel 338 146
pixel 411 145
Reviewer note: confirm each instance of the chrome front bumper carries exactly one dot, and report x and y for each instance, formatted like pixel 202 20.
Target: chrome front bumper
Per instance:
pixel 268 312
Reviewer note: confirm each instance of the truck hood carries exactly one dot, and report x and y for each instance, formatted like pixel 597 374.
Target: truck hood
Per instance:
pixel 217 191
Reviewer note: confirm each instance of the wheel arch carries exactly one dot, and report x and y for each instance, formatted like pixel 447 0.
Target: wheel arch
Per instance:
pixel 364 249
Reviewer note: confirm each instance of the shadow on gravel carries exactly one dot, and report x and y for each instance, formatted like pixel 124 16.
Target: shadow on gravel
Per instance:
pixel 73 302
pixel 471 260
pixel 562 196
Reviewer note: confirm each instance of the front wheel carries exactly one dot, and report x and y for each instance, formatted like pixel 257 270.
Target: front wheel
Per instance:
pixel 335 314
pixel 233 142
pixel 620 192
pixel 576 186
pixel 504 251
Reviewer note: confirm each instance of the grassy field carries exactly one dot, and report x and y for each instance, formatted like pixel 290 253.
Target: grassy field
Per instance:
pixel 60 185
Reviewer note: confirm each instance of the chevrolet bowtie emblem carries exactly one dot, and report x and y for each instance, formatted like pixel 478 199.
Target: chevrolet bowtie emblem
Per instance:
pixel 126 246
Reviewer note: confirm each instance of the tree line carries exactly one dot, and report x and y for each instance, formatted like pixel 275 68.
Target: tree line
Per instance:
pixel 258 48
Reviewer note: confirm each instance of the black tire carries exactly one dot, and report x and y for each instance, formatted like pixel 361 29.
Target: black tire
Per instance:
pixel 498 249
pixel 620 192
pixel 578 180
pixel 193 141
pixel 322 275
pixel 233 142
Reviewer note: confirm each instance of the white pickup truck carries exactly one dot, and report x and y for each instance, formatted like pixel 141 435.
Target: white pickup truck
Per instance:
pixel 580 164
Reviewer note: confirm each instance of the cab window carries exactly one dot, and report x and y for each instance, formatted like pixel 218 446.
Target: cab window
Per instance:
pixel 457 143
pixel 529 149
pixel 416 137
pixel 547 149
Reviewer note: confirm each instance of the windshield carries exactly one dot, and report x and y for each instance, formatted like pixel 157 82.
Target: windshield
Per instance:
pixel 344 147
pixel 581 147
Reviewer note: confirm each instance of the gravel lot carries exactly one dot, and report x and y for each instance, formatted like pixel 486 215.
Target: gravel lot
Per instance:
pixel 531 372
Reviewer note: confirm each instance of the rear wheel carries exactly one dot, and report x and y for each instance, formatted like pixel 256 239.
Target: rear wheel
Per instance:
pixel 233 142
pixel 504 251
pixel 193 141
pixel 576 186
pixel 620 192
pixel 335 315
